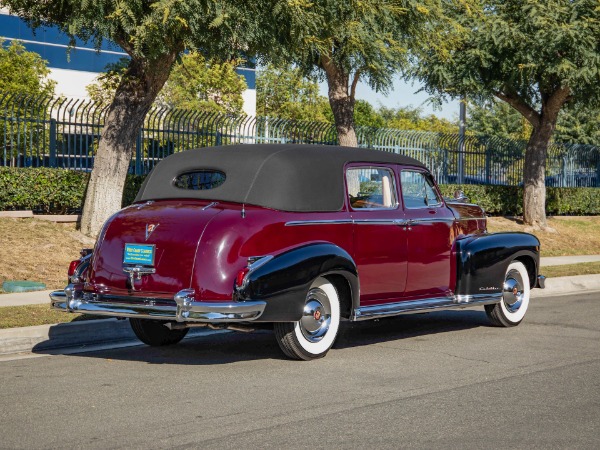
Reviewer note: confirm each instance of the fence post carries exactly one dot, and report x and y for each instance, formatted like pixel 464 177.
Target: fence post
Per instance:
pixel 52 143
pixel 488 164
pixel 461 140
pixel 218 138
pixel 138 154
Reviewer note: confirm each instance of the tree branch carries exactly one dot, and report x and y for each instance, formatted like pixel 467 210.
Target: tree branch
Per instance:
pixel 354 83
pixel 526 110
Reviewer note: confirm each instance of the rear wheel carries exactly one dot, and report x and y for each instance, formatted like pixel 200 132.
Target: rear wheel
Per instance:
pixel 314 334
pixel 155 333
pixel 515 297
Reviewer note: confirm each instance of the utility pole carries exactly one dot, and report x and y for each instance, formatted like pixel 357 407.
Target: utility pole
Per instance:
pixel 462 125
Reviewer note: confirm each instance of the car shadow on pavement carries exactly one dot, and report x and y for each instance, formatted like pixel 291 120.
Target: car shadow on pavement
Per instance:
pixel 232 347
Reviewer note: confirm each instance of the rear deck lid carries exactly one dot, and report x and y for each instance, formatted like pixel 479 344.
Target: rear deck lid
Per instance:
pixel 149 249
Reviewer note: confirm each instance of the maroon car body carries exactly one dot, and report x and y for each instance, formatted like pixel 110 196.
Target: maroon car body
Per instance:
pixel 302 237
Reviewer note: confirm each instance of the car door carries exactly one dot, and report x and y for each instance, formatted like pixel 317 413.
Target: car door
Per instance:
pixel 429 236
pixel 379 235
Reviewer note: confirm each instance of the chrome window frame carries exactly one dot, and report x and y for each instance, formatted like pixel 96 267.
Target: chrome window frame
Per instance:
pixel 428 179
pixel 393 187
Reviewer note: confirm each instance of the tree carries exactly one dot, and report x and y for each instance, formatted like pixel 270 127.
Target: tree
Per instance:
pixel 200 84
pixel 346 41
pixel 535 55
pixel 154 34
pixel 194 83
pixel 411 118
pixel 576 124
pixel 498 119
pixel 285 93
pixel 23 72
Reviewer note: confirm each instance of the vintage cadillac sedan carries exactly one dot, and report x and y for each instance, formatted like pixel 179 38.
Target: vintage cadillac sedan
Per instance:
pixel 300 238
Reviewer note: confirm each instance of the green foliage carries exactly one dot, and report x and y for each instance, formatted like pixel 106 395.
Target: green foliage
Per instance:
pixel 51 191
pixel 148 30
pixel 497 119
pixel 59 191
pixel 577 124
pixel 506 200
pixel 522 50
pixel 23 72
pixel 103 89
pixel 366 115
pixel 195 84
pixel 284 93
pixel 199 84
pixel 410 118
pixel 369 39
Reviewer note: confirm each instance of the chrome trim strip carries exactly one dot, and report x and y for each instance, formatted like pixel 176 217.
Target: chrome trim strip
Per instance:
pixel 185 310
pixel 401 223
pixel 296 223
pixel 430 220
pixel 210 205
pixel 425 305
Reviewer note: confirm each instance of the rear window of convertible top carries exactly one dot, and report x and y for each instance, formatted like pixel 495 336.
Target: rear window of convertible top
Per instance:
pixel 199 180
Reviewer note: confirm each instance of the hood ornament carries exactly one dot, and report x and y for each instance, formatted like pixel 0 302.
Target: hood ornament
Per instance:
pixel 150 227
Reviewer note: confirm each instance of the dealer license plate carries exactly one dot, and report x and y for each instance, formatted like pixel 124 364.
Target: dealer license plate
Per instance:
pixel 139 254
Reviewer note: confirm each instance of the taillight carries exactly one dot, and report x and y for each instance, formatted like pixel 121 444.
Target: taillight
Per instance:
pixel 239 280
pixel 73 266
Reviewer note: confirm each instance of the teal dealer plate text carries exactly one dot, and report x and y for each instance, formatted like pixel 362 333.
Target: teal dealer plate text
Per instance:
pixel 139 254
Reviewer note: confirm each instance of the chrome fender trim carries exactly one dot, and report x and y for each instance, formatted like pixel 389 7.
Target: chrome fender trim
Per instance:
pixel 424 305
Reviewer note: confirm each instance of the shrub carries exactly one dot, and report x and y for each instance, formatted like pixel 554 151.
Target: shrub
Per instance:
pixel 508 200
pixel 51 191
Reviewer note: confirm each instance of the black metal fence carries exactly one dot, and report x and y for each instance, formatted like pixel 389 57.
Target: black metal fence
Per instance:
pixel 64 132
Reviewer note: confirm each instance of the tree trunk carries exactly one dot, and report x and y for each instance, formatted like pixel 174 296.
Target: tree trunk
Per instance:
pixel 341 102
pixel 134 97
pixel 534 173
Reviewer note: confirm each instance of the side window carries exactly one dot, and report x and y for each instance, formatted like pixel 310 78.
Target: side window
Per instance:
pixel 417 190
pixel 371 188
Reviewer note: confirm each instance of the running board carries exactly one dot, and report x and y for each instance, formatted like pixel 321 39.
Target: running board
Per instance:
pixel 425 305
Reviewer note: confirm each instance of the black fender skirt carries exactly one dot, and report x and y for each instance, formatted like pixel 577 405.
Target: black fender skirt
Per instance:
pixel 283 282
pixel 482 260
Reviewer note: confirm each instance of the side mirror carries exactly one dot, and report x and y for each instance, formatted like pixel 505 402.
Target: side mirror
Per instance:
pixel 460 196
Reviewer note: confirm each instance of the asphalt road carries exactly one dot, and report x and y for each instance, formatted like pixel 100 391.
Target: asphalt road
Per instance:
pixel 424 381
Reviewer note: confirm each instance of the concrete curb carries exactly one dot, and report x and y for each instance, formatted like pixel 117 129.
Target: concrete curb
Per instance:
pixel 565 285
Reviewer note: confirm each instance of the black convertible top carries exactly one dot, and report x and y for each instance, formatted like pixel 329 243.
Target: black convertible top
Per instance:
pixel 287 177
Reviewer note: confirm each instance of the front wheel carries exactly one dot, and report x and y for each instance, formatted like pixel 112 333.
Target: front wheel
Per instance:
pixel 515 297
pixel 314 334
pixel 155 333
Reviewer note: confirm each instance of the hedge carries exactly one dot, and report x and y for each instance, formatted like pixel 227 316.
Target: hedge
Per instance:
pixel 60 191
pixel 51 191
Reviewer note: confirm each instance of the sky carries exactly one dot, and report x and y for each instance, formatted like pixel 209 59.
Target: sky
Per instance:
pixel 403 94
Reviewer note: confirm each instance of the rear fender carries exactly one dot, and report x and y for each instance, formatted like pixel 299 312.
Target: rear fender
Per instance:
pixel 482 260
pixel 284 280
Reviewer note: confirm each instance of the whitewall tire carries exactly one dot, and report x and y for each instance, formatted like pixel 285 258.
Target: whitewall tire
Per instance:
pixel 516 290
pixel 314 334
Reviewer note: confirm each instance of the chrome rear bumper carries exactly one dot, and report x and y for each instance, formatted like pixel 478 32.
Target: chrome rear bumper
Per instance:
pixel 185 308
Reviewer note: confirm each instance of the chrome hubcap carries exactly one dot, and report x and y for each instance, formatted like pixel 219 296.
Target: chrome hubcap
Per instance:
pixel 512 294
pixel 316 317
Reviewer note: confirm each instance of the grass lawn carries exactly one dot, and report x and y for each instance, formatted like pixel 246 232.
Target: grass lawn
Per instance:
pixel 574 235
pixel 38 250
pixel 30 315
pixel 571 269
